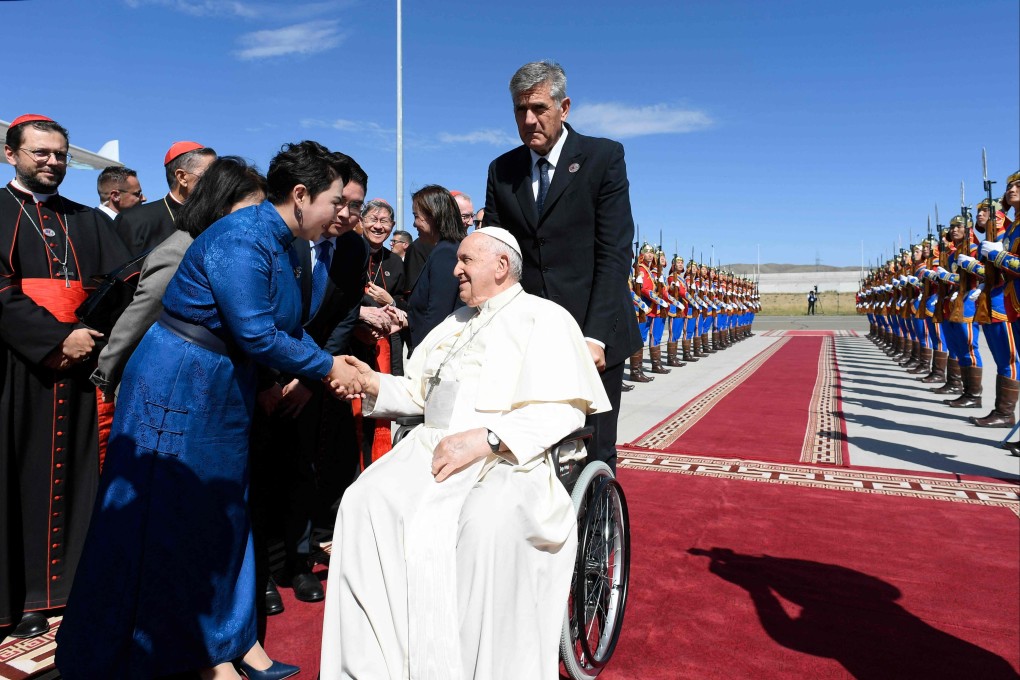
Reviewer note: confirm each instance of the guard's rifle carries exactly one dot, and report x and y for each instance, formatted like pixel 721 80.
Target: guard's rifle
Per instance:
pixel 991 227
pixel 634 283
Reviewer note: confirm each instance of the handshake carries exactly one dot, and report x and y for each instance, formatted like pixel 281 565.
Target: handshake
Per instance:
pixel 350 378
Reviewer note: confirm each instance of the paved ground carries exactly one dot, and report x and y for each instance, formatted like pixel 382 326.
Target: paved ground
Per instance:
pixel 893 421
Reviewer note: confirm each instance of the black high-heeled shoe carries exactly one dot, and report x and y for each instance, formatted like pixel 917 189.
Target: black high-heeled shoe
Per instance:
pixel 278 671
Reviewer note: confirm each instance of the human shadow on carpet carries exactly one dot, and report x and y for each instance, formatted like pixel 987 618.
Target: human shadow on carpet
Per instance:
pixel 850 617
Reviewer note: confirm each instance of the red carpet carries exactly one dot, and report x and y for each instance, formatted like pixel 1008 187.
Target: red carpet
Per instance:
pixel 295 635
pixel 792 390
pixel 738 580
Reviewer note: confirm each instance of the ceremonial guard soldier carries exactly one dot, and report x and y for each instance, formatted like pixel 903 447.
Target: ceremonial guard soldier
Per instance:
pixel 991 315
pixel 677 288
pixel 641 287
pixel 1005 255
pixel 932 312
pixel 961 331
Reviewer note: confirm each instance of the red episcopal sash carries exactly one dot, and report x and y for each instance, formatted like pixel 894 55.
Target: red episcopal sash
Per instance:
pixel 60 298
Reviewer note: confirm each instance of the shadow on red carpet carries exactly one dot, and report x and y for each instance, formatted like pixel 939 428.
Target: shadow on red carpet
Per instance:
pixel 732 579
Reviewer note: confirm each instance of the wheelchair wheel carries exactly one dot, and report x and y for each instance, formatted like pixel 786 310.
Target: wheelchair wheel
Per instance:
pixel 598 589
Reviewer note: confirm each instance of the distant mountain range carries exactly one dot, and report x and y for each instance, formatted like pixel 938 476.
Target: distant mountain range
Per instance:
pixel 741 269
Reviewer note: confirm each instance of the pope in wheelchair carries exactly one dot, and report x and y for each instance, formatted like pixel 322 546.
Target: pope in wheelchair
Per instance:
pixel 453 554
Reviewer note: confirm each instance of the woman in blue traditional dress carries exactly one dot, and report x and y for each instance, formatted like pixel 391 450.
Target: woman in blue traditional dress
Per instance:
pixel 166 584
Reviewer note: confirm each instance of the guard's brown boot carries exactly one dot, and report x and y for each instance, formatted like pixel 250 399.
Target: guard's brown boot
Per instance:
pixel 636 373
pixel 717 341
pixel 915 355
pixel 671 356
pixel 1005 404
pixel 938 368
pixel 923 363
pixel 656 354
pixel 699 351
pixel 971 397
pixel 705 346
pixel 954 379
pixel 895 345
pixel 689 356
pixel 903 351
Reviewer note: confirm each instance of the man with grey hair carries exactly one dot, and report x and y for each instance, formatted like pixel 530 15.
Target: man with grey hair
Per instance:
pixel 146 226
pixel 119 189
pixel 576 243
pixel 452 554
pixel 465 208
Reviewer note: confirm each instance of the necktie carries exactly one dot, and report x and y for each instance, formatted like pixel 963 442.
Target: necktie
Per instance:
pixel 543 183
pixel 319 275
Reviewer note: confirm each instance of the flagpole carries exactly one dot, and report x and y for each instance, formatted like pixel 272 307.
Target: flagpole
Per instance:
pixel 400 118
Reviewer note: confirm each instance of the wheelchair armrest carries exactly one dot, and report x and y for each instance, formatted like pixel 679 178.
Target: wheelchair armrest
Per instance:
pixel 409 421
pixel 569 467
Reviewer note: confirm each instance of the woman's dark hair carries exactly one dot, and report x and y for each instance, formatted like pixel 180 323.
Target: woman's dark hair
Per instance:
pixel 308 163
pixel 436 204
pixel 228 180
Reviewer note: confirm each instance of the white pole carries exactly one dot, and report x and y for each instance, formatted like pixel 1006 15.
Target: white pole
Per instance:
pixel 400 119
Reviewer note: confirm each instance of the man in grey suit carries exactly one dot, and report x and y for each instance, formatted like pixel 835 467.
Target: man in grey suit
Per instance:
pixel 566 199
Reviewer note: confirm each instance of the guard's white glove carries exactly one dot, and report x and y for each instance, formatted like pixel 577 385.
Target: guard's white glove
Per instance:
pixel 973 295
pixel 990 248
pixel 964 260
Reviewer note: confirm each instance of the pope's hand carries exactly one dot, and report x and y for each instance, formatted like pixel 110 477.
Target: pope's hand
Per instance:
pixel 457 451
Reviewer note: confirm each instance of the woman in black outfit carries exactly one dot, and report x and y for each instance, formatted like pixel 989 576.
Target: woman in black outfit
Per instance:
pixel 434 295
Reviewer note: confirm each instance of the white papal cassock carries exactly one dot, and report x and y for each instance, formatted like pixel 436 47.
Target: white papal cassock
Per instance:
pixel 466 578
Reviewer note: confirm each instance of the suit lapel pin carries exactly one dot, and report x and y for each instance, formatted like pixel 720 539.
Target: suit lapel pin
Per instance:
pixel 297 272
pixel 574 167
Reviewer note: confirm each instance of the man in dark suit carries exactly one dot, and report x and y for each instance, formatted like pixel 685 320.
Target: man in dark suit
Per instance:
pixel 566 198
pixel 145 226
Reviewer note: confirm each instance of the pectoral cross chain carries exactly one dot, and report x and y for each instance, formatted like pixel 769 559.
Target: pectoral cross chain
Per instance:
pixel 433 384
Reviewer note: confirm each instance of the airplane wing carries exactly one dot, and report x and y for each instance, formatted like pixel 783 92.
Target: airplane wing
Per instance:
pixel 83 159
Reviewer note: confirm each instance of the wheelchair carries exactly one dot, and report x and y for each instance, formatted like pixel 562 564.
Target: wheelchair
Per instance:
pixel 598 587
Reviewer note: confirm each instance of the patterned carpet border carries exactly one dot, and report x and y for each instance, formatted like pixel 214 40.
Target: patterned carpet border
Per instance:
pixel 825 440
pixel 781 333
pixel 20 659
pixel 688 415
pixel 997 494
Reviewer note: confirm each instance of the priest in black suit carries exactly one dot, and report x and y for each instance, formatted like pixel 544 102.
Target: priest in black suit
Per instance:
pixel 566 198
pixel 145 226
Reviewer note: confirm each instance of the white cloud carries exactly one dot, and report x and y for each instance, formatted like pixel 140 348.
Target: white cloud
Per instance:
pixel 200 8
pixel 620 121
pixel 305 38
pixel 344 125
pixel 490 136
pixel 245 9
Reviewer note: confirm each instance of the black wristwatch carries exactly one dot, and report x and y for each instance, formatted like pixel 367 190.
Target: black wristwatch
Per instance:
pixel 494 441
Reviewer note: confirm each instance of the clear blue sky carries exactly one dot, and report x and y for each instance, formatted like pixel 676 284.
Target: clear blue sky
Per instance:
pixel 804 127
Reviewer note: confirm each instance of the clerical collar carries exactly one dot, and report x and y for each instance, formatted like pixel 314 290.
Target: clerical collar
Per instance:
pixel 554 153
pixel 499 300
pixel 173 198
pixel 39 198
